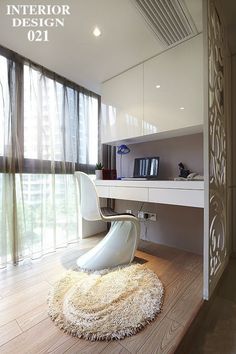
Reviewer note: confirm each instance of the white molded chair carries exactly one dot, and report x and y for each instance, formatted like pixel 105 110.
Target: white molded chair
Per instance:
pixel 119 245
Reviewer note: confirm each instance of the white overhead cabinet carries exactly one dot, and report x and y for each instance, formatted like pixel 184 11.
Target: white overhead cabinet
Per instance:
pixel 122 106
pixel 178 102
pixel 164 95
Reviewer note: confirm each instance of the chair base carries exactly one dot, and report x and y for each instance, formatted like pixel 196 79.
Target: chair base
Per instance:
pixel 116 248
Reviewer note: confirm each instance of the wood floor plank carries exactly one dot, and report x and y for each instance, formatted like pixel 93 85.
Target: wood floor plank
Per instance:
pixel 168 268
pixel 158 263
pixel 114 348
pixel 167 274
pixel 21 285
pixel 8 332
pixel 33 317
pixel 164 339
pixel 16 306
pixel 165 270
pixel 174 292
pixel 133 343
pixel 36 270
pixel 80 346
pixel 13 271
pixel 160 251
pixel 64 347
pixel 54 275
pixel 189 261
pixel 38 339
pixel 24 294
pixel 12 280
pixel 183 311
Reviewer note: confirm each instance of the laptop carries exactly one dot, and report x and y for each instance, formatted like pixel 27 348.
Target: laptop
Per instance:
pixel 145 168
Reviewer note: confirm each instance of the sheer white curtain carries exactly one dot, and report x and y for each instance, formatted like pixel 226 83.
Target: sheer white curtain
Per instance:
pixel 48 132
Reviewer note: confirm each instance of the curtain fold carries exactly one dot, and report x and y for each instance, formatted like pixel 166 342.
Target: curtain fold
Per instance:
pixel 11 155
pixel 109 162
pixel 109 156
pixel 48 130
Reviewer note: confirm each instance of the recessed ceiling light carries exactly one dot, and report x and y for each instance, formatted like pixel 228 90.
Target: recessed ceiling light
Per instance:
pixel 158 86
pixel 182 108
pixel 97 32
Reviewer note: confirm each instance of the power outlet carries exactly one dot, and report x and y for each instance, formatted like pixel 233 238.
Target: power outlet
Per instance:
pixel 152 217
pixel 128 211
pixel 141 214
pixel 144 215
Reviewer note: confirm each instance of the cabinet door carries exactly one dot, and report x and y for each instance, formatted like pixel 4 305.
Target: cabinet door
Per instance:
pixel 122 106
pixel 178 102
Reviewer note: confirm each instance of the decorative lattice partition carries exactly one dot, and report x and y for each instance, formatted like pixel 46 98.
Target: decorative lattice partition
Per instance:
pixel 217 148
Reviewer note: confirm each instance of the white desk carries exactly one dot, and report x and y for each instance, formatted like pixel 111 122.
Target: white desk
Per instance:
pixel 185 193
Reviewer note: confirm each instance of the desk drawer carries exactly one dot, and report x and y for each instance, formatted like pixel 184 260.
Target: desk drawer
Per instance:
pixel 191 198
pixel 103 191
pixel 131 193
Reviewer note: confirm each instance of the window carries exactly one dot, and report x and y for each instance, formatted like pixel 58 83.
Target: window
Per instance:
pixel 50 118
pixel 57 126
pixel 48 129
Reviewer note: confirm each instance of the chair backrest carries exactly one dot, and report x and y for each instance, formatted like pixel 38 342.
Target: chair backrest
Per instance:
pixel 89 201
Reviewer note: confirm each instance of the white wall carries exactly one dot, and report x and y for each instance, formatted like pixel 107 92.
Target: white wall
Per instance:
pixel 176 226
pixel 187 149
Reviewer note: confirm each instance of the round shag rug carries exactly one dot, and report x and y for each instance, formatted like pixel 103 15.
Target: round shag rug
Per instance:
pixel 106 306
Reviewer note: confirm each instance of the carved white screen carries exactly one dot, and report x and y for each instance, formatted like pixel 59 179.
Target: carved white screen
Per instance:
pixel 217 147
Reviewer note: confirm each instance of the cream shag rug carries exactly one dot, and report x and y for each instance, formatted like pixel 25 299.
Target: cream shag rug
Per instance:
pixel 106 306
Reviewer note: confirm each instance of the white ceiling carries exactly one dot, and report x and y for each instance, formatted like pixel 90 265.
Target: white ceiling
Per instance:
pixel 75 53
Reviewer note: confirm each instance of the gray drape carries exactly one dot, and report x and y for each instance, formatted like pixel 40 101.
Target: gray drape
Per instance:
pixel 48 129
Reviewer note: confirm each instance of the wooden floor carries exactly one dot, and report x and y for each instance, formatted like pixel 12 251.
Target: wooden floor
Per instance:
pixel 215 326
pixel 25 327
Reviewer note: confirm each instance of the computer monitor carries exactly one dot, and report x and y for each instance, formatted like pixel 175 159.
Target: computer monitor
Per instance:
pixel 146 167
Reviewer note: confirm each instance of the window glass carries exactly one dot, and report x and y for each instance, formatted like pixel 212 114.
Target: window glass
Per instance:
pixel 54 128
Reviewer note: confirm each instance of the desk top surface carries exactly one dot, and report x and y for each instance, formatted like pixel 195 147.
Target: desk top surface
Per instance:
pixel 152 184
